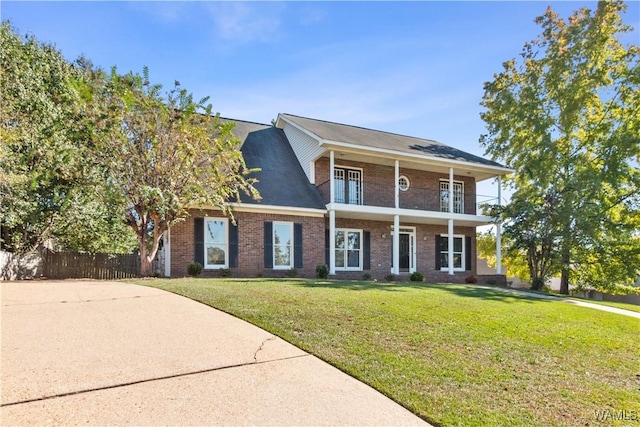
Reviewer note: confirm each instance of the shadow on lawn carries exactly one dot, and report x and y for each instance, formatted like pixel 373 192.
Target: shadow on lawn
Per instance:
pixel 465 291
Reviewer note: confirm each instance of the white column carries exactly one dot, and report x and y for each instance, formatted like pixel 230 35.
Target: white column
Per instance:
pixel 450 223
pixel 397 188
pixel 499 232
pixel 167 253
pixel 396 244
pixel 332 242
pixel 331 177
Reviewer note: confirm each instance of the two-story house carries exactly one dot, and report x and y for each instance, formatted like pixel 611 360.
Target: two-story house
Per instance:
pixel 355 199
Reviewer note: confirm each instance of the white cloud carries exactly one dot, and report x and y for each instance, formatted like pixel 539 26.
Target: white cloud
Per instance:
pixel 240 22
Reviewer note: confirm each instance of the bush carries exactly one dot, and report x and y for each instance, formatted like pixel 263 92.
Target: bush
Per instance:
pixel 224 272
pixel 366 276
pixel 390 277
pixel 491 282
pixel 416 276
pixel 322 271
pixel 194 269
pixel 471 279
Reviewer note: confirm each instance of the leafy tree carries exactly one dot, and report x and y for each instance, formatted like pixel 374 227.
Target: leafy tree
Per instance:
pixel 566 117
pixel 514 262
pixel 166 153
pixel 47 180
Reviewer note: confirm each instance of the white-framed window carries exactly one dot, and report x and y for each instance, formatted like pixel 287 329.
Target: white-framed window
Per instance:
pixel 347 185
pixel 458 196
pixel 403 183
pixel 458 252
pixel 348 249
pixel 283 245
pixel 216 243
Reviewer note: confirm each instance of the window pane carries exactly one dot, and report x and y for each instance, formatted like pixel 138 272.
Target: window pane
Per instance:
pixel 215 254
pixel 215 231
pixel 339 239
pixel 282 256
pixel 354 240
pixel 339 258
pixel 282 234
pixel 353 258
pixel 457 261
pixel 444 244
pixel 444 260
pixel 457 244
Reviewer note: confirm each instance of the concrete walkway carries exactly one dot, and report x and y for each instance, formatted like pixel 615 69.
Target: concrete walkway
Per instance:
pixel 101 353
pixel 581 303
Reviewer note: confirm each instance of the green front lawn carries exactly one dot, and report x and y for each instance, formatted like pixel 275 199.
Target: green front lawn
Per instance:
pixel 452 354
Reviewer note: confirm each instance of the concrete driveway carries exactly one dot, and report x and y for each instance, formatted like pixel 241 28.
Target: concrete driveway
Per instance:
pixel 104 353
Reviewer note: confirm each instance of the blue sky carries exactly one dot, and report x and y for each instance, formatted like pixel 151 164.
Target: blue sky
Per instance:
pixel 415 68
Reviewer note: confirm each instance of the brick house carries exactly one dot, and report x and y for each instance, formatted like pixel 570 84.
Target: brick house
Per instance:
pixel 355 199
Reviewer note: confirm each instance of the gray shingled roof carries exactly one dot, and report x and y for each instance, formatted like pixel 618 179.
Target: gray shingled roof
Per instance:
pixel 282 182
pixel 384 140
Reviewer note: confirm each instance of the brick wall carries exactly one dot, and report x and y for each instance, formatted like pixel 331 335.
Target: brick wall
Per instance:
pixel 425 250
pixel 378 186
pixel 250 244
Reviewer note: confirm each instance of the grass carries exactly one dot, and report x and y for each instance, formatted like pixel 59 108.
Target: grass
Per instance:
pixel 452 354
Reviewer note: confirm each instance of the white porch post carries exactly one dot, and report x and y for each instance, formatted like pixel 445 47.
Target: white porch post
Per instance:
pixel 332 216
pixel 450 224
pixel 167 253
pixel 397 188
pixel 396 244
pixel 499 232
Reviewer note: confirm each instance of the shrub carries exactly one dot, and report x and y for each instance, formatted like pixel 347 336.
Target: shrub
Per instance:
pixel 471 279
pixel 491 282
pixel 366 276
pixel 416 276
pixel 322 271
pixel 390 277
pixel 194 269
pixel 224 272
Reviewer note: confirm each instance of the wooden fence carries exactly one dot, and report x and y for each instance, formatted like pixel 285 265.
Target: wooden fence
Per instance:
pixel 65 265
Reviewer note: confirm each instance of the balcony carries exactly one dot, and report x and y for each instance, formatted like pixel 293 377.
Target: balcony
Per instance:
pixel 422 199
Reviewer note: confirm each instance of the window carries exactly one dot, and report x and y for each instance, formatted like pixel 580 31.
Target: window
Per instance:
pixel 458 197
pixel 403 183
pixel 458 252
pixel 216 243
pixel 282 245
pixel 347 186
pixel 348 249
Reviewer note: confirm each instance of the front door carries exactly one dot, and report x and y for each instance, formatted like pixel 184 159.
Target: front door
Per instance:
pixel 405 252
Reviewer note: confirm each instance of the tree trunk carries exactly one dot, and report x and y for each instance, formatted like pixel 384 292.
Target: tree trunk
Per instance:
pixel 565 260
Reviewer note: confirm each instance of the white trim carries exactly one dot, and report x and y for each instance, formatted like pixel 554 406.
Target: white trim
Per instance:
pixel 300 128
pixel 378 210
pixel 332 242
pixel 312 171
pixel 451 198
pixel 411 231
pixel 396 187
pixel 387 152
pixel 396 246
pixel 206 265
pixel 273 242
pixel 346 249
pixel 280 210
pixel 464 253
pixel 406 178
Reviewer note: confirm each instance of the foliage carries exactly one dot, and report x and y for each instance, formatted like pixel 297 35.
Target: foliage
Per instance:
pixel 435 348
pixel 390 277
pixel 293 272
pixel 322 271
pixel 167 153
pixel 366 276
pixel 49 187
pixel 194 269
pixel 416 276
pixel 224 272
pixel 566 118
pixel 514 261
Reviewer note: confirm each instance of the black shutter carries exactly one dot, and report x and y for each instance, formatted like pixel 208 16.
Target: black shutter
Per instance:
pixel 198 240
pixel 233 245
pixel 326 246
pixel 268 244
pixel 438 252
pixel 297 245
pixel 366 255
pixel 467 253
